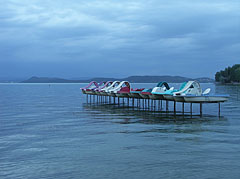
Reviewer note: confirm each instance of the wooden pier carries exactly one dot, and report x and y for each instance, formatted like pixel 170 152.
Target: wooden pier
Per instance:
pixel 149 104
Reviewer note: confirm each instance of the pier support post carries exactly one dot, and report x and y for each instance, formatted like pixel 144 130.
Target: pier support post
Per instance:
pixel 155 105
pixel 174 107
pixel 191 109
pixel 167 105
pixel 201 109
pixel 143 104
pixel 183 108
pixel 152 105
pixel 219 109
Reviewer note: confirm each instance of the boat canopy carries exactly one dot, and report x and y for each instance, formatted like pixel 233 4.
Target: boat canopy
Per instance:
pixel 163 83
pixel 108 83
pixel 122 84
pixel 112 86
pixel 91 85
pixel 191 87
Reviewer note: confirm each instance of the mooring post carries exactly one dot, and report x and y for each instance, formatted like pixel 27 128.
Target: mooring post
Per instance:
pixel 143 104
pixel 183 108
pixel 174 108
pixel 167 105
pixel 155 104
pixel 128 101
pixel 219 109
pixel 191 109
pixel 87 98
pixel 201 109
pixel 151 104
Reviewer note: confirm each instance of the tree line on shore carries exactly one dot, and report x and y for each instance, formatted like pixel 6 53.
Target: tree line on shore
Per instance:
pixel 229 75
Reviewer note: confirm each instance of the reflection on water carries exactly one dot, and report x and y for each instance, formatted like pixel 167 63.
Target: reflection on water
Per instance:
pixel 50 132
pixel 128 115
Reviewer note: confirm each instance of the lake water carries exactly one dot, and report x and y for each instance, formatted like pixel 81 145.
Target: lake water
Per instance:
pixel 48 131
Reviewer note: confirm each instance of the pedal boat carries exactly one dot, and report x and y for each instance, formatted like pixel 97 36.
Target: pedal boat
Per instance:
pixel 98 90
pixel 168 94
pixel 191 88
pixel 145 93
pixel 105 90
pixel 122 90
pixel 157 92
pixel 135 93
pixel 89 87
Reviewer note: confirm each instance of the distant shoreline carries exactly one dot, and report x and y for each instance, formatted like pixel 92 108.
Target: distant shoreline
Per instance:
pixel 131 79
pixel 230 84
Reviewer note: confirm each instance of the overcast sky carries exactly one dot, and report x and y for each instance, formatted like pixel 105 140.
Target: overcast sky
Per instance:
pixel 118 38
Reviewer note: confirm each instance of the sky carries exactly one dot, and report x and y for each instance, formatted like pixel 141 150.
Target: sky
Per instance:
pixel 118 38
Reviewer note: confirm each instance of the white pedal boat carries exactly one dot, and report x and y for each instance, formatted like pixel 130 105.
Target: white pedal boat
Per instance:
pixel 106 90
pixel 121 90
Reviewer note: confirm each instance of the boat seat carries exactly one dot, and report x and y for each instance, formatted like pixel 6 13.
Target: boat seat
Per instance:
pixel 207 91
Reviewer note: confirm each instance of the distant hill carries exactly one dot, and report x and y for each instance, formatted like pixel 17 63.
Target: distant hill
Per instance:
pixel 155 79
pixel 35 79
pixel 132 79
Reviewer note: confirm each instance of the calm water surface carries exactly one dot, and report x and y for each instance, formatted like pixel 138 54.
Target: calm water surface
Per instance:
pixel 48 131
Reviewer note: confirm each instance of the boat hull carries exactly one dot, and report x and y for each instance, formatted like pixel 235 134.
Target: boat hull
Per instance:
pixel 179 98
pixel 145 96
pixel 168 97
pixel 111 94
pixel 88 92
pixel 135 95
pixel 157 96
pixel 122 95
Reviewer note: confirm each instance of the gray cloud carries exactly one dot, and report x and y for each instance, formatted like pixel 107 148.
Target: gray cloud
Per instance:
pixel 190 38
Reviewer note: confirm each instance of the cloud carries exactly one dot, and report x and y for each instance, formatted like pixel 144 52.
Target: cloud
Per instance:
pixel 174 34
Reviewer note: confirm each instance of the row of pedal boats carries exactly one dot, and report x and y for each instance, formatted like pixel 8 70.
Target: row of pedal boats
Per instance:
pixel 190 91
